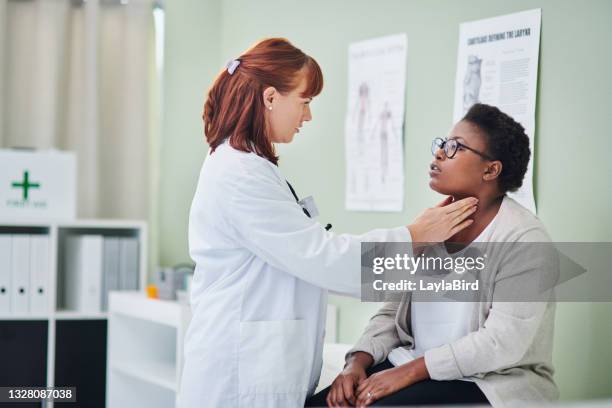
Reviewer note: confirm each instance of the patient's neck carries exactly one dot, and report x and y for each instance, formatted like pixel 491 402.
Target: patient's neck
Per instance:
pixel 488 206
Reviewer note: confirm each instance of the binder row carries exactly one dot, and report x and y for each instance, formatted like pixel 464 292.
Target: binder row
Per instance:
pixel 24 274
pixel 95 265
pixel 92 266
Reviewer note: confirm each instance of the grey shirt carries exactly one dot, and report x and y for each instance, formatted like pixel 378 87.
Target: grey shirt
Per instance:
pixel 508 352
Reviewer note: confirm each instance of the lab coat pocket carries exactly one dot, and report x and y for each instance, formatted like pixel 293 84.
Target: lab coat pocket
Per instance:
pixel 274 357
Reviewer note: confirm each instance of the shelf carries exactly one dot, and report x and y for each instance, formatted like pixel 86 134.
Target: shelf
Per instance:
pixel 89 369
pixel 4 222
pixel 103 224
pixel 79 223
pixel 127 390
pixel 25 317
pixel 34 229
pixel 137 305
pixel 163 375
pixel 74 315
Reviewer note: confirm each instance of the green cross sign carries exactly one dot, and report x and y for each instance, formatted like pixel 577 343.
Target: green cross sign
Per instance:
pixel 26 184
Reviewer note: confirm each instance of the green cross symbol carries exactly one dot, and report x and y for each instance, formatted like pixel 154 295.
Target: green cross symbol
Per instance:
pixel 26 185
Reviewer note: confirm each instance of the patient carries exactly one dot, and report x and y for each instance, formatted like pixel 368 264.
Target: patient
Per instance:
pixel 495 351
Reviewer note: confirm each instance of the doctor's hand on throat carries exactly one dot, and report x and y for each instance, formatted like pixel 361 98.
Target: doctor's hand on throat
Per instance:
pixel 441 222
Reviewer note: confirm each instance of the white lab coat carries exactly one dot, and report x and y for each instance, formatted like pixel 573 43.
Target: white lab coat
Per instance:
pixel 259 294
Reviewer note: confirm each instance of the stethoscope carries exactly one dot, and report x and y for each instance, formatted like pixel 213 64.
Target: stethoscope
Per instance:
pixel 327 227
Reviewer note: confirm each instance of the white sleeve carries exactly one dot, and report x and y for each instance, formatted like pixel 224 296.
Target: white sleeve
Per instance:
pixel 267 220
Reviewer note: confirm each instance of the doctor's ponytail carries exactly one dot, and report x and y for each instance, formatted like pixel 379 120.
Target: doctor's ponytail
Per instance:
pixel 234 106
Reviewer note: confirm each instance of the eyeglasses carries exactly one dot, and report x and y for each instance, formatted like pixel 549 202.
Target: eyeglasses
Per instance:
pixel 450 147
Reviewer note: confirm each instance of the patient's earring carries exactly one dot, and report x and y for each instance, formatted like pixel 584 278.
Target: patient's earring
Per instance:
pixel 269 107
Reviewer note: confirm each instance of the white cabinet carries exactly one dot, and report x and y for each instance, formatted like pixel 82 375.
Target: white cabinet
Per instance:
pixel 145 350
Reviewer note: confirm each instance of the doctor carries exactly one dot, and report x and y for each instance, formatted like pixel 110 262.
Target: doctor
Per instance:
pixel 263 267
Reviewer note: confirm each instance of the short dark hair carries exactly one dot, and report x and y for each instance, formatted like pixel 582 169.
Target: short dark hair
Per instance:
pixel 506 142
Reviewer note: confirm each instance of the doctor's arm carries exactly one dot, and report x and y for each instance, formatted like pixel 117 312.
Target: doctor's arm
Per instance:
pixel 267 220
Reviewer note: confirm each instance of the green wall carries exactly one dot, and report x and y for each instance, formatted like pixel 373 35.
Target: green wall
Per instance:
pixel 572 172
pixel 191 56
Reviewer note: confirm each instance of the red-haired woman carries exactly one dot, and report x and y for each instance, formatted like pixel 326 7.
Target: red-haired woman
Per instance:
pixel 263 265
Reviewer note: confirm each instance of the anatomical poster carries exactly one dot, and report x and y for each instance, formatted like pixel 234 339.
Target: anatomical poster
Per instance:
pixel 374 124
pixel 497 64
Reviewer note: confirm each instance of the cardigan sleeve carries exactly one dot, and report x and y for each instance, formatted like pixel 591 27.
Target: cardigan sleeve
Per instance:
pixel 514 319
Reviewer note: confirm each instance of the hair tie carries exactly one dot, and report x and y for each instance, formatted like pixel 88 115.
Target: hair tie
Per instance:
pixel 232 65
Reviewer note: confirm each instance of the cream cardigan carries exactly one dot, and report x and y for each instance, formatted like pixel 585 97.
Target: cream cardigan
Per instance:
pixel 508 352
